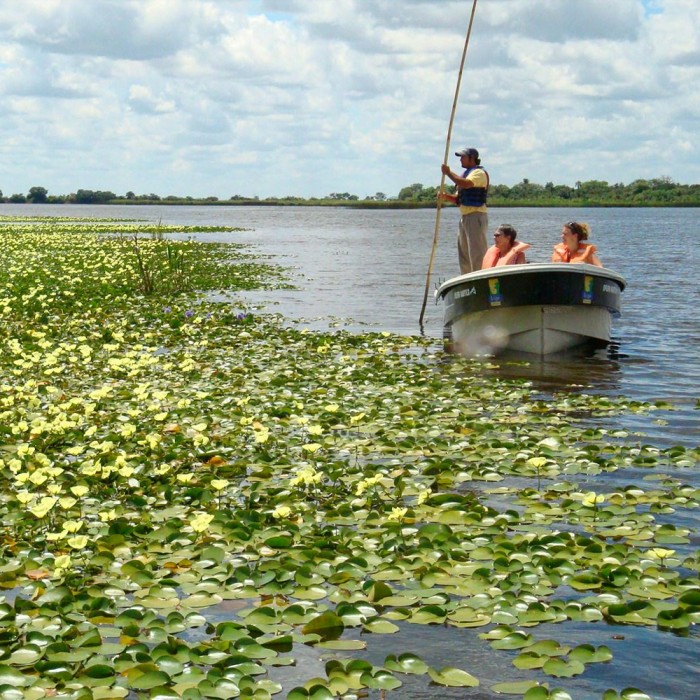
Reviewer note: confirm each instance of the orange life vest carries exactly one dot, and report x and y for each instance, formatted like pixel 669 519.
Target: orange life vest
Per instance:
pixel 492 257
pixel 584 254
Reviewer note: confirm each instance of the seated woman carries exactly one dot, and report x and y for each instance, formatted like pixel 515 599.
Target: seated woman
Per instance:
pixel 572 248
pixel 505 250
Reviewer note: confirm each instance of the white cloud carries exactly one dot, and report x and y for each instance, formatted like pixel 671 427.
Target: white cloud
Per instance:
pixel 277 97
pixel 142 99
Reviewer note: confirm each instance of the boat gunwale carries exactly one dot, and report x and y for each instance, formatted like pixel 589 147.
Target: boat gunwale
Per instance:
pixel 530 268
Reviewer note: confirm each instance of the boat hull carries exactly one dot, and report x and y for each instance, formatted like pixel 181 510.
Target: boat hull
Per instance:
pixel 538 309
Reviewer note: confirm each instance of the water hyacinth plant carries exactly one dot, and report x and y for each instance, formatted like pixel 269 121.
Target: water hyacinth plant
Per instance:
pixel 201 502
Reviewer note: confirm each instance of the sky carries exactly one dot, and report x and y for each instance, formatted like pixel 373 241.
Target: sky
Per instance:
pixel 306 98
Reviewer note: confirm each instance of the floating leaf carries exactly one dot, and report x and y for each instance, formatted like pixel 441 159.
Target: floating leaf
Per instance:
pixel 513 687
pixel 527 660
pixel 429 615
pixel 587 654
pixel 453 677
pixel 380 679
pixel 406 663
pixel 673 619
pixel 562 668
pixel 514 640
pixel 148 680
pixel 378 591
pixel 311 593
pixel 316 692
pixel 343 644
pixel 586 582
pixel 13 677
pixel 327 626
pixel 377 626
pixel 27 656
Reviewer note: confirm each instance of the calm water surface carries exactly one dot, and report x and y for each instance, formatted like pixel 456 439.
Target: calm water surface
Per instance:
pixel 366 270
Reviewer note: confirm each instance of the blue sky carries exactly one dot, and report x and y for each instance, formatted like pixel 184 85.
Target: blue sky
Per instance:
pixel 308 97
pixel 652 7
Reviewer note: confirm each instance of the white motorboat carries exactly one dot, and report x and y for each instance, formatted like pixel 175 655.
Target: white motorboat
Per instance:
pixel 536 308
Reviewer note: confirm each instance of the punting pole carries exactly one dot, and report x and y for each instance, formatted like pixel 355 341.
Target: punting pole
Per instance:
pixel 447 153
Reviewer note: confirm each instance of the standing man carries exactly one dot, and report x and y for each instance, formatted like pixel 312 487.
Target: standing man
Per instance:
pixel 472 188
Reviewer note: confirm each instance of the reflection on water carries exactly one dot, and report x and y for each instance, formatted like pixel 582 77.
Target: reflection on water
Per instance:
pixel 573 370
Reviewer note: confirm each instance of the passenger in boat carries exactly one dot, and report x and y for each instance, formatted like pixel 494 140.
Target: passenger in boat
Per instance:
pixel 505 250
pixel 472 188
pixel 572 248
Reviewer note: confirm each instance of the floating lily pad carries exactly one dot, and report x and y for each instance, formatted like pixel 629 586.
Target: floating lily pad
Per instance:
pixel 453 677
pixel 316 692
pixel 513 687
pixel 377 626
pixel 562 668
pixel 406 663
pixel 327 625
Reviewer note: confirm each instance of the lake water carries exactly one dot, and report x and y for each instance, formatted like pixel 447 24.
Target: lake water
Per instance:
pixel 365 269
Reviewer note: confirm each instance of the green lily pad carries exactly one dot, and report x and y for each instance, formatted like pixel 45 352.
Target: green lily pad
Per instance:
pixel 562 668
pixel 109 693
pixel 406 663
pixel 548 647
pixel 527 661
pixel 453 677
pixel 429 615
pixel 149 680
pixel 327 625
pixel 163 693
pixel 342 644
pixel 316 692
pixel 310 593
pixel 513 687
pixel 380 679
pixel 378 626
pixel 543 693
pixel 27 656
pixel 512 641
pixel 12 677
pixel 676 619
pixel 400 600
pixel 587 654
pixel 586 582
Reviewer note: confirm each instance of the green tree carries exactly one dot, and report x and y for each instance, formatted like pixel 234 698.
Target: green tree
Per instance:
pixel 38 195
pixel 526 190
pixel 411 192
pixel 342 196
pixel 93 197
pixel 563 191
pixel 593 188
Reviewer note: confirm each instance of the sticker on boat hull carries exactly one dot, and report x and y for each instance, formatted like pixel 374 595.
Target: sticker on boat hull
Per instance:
pixel 495 296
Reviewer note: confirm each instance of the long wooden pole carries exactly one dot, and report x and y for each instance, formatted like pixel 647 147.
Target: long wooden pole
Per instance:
pixel 447 153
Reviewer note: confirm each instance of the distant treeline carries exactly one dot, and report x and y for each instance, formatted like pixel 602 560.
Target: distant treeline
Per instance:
pixel 659 192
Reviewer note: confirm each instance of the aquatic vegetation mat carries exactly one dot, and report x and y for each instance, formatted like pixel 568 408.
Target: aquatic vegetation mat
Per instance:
pixel 201 502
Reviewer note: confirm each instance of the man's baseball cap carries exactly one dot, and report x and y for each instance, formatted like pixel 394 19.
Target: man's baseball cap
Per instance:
pixel 468 152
